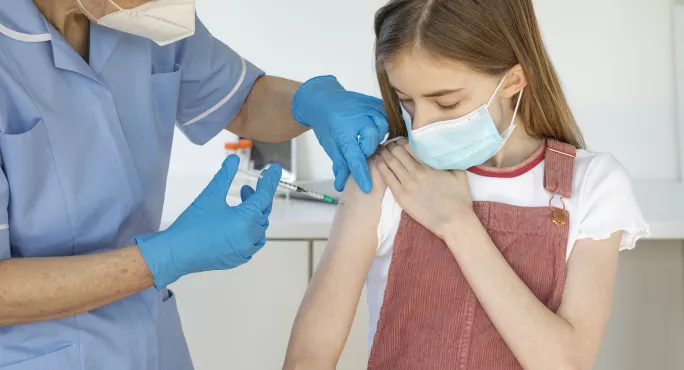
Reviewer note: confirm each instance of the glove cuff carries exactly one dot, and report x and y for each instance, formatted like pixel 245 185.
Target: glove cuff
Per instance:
pixel 153 248
pixel 300 101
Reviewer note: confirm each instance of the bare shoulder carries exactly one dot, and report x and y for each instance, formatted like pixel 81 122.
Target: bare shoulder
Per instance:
pixel 358 215
pixel 354 196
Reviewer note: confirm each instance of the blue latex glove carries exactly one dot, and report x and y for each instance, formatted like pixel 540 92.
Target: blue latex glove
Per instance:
pixel 349 126
pixel 210 234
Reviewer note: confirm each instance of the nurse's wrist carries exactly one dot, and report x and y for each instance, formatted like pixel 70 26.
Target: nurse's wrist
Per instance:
pixel 303 102
pixel 145 274
pixel 151 247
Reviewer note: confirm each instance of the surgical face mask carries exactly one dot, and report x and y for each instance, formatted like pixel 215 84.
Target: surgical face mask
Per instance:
pixel 162 21
pixel 460 143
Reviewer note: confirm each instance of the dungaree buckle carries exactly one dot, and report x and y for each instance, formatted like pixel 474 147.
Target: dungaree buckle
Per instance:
pixel 558 214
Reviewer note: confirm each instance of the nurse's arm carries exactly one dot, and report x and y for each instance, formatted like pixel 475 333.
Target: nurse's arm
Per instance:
pixel 266 114
pixel 40 289
pixel 326 314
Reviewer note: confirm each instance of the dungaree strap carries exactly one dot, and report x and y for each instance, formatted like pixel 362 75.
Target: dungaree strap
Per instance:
pixel 559 166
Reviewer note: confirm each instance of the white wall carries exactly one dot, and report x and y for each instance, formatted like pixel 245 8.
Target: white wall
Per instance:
pixel 678 19
pixel 615 58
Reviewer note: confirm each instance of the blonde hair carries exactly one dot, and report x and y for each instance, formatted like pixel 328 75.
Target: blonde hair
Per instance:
pixel 489 36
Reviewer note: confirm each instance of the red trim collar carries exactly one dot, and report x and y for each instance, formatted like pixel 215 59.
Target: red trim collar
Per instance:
pixel 515 171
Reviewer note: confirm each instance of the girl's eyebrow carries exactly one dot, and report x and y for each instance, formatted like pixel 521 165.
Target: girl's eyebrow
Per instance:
pixel 434 94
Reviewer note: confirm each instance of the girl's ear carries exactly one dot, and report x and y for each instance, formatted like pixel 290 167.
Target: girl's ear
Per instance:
pixel 515 82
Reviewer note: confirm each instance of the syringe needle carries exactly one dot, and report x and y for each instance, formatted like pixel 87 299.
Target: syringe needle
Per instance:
pixel 298 189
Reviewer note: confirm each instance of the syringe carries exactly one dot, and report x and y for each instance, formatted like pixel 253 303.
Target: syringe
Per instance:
pixel 296 188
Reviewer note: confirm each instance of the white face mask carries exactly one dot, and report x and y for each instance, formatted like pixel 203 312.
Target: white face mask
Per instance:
pixel 162 21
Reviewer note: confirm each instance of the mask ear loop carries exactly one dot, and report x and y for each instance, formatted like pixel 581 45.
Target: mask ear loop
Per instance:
pixel 511 127
pixel 517 105
pixel 497 90
pixel 93 17
pixel 117 6
pixel 86 10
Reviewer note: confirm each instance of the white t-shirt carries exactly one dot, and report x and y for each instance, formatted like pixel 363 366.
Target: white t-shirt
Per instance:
pixel 602 203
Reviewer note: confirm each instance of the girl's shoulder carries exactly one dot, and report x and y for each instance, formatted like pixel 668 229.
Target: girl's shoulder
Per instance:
pixel 589 164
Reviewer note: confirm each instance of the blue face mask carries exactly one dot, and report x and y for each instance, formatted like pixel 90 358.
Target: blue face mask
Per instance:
pixel 460 143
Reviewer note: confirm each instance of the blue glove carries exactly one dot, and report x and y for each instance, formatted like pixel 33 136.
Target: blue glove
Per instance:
pixel 210 234
pixel 348 125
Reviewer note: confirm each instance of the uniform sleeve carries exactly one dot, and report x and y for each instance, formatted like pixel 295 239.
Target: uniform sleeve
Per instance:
pixel 215 81
pixel 608 204
pixel 4 216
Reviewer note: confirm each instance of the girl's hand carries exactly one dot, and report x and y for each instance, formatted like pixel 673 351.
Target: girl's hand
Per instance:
pixel 436 199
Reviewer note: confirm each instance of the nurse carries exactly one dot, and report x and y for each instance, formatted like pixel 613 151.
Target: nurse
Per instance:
pixel 91 92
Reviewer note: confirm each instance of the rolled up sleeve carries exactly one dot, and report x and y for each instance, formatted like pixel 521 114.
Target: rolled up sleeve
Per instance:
pixel 215 82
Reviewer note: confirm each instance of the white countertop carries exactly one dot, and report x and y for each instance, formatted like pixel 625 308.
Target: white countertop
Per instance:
pixel 662 203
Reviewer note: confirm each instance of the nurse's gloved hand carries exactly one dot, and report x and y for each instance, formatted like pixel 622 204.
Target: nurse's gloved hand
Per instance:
pixel 349 126
pixel 210 234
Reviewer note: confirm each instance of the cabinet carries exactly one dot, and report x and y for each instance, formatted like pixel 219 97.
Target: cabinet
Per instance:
pixel 355 354
pixel 242 318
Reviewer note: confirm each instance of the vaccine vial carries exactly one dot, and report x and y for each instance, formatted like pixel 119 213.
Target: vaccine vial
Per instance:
pixel 243 149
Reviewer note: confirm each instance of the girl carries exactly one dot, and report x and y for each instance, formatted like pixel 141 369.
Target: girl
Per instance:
pixel 491 237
